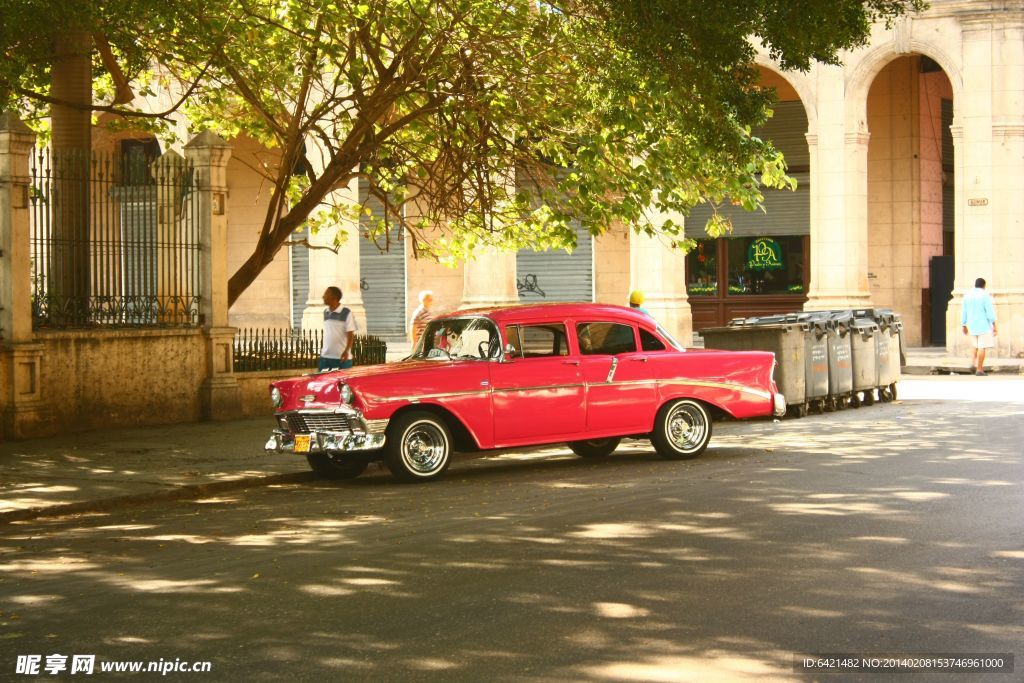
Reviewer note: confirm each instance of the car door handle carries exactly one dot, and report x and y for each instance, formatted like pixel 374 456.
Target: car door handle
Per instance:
pixel 570 362
pixel 639 360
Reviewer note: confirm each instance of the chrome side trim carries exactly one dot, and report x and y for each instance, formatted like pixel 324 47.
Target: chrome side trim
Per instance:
pixel 623 383
pixel 731 386
pixel 539 387
pixel 447 394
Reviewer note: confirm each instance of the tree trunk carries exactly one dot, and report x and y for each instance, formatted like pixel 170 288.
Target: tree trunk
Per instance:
pixel 71 82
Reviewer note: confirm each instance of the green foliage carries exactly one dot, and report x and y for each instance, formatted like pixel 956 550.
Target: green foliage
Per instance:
pixel 501 120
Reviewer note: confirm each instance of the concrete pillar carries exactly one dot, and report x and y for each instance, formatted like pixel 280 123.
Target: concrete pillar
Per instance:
pixel 1008 180
pixel 335 266
pixel 839 184
pixel 209 154
pixel 659 271
pixel 973 146
pixel 20 356
pixel 489 279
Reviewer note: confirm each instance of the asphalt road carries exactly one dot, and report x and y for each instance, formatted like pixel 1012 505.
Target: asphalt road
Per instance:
pixel 896 528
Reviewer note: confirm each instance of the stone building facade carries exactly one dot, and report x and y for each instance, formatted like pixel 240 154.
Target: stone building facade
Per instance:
pixel 910 160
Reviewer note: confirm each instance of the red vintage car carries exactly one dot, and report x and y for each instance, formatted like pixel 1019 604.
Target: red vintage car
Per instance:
pixel 585 374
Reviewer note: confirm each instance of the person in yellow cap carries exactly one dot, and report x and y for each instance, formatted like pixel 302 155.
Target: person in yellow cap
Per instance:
pixel 636 300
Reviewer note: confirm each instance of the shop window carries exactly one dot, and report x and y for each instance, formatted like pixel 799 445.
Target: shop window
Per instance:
pixel 702 269
pixel 766 265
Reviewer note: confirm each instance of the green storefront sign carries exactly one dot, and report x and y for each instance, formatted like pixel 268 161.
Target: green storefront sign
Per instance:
pixel 764 253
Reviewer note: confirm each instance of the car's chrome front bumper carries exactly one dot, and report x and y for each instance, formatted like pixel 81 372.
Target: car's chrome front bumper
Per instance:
pixel 360 434
pixel 778 405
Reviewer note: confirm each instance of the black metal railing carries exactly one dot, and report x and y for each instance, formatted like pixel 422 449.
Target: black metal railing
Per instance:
pixel 277 349
pixel 114 240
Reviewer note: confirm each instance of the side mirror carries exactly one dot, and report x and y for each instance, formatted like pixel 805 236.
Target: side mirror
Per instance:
pixel 510 351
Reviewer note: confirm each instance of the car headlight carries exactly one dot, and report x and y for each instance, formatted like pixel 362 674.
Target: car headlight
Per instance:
pixel 275 397
pixel 346 394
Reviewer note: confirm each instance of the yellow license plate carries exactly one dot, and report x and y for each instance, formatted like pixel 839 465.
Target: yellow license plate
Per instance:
pixel 302 443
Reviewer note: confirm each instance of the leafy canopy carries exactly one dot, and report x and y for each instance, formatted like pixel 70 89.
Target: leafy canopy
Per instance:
pixel 501 120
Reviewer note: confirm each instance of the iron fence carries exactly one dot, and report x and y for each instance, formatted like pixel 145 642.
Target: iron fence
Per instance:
pixel 277 349
pixel 114 240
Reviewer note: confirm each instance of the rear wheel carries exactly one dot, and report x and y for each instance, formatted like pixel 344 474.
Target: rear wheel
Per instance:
pixel 682 430
pixel 594 448
pixel 892 391
pixel 329 468
pixel 418 446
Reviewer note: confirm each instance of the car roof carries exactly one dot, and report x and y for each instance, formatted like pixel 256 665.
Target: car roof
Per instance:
pixel 576 311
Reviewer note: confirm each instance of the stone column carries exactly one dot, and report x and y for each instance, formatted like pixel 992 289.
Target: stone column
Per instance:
pixel 335 266
pixel 974 253
pixel 839 182
pixel 489 279
pixel 659 271
pixel 1008 181
pixel 209 154
pixel 21 402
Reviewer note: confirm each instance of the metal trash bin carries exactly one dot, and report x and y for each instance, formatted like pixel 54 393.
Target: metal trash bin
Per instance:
pixel 785 340
pixel 888 348
pixel 816 359
pixel 840 358
pixel 864 350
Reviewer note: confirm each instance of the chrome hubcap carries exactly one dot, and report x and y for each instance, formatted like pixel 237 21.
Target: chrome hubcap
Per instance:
pixel 424 447
pixel 686 427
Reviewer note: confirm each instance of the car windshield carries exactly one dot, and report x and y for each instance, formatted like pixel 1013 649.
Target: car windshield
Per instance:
pixel 459 338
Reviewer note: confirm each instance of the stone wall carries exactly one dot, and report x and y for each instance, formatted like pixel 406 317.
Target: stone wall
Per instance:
pixel 114 378
pixel 255 390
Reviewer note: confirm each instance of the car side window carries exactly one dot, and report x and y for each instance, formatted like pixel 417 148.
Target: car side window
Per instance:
pixel 538 341
pixel 605 338
pixel 648 342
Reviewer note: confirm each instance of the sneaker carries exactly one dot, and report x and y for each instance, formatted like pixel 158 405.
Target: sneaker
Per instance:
pixel 981 373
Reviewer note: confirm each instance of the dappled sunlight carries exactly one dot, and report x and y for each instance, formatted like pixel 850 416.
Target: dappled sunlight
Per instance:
pixel 618 610
pixel 171 586
pixel 707 666
pixel 837 531
pixel 1011 554
pixel 613 531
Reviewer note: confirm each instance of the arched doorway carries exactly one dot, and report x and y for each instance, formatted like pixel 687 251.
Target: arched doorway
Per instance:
pixel 910 195
pixel 723 279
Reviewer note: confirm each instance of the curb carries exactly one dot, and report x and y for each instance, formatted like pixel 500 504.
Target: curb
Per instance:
pixel 185 492
pixel 958 370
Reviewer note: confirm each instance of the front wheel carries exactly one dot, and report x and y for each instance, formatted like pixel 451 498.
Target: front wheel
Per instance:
pixel 329 468
pixel 418 446
pixel 682 430
pixel 595 448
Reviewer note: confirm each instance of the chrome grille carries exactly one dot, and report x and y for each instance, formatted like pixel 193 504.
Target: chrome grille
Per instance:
pixel 304 423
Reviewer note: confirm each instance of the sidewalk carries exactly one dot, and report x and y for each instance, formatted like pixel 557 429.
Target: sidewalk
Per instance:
pixel 103 470
pixel 935 361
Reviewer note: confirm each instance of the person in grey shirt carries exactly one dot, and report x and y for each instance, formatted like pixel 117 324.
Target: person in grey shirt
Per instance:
pixel 978 317
pixel 421 316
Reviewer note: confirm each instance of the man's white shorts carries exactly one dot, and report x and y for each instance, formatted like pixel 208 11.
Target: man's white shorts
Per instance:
pixel 983 341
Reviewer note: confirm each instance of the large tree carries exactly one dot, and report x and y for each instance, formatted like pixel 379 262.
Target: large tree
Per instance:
pixel 501 120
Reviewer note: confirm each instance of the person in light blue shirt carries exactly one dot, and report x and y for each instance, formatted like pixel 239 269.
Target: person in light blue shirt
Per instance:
pixel 978 318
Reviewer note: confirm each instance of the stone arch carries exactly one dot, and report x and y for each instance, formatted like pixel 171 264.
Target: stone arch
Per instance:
pixel 862 75
pixel 800 83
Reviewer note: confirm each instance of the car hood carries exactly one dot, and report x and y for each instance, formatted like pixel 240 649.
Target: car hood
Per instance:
pixel 321 390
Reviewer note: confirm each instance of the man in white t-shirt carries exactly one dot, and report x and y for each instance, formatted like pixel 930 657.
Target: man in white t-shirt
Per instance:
pixel 340 329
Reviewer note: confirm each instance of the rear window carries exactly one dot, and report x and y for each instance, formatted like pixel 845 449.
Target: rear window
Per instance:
pixel 648 342
pixel 605 338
